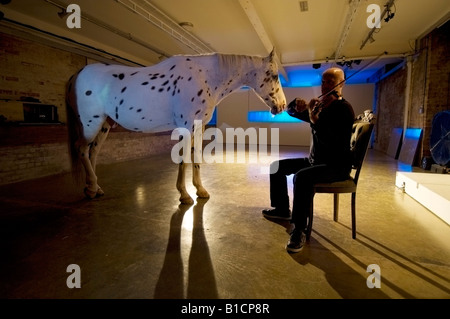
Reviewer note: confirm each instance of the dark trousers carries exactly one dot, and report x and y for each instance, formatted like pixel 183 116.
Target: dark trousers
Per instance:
pixel 305 176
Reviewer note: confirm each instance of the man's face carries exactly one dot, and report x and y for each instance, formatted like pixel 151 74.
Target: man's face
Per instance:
pixel 329 81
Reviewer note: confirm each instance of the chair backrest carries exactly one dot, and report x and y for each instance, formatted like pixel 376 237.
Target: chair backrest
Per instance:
pixel 359 143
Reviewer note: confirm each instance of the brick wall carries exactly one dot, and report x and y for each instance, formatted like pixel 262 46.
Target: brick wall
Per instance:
pixel 29 69
pixel 32 151
pixel 429 93
pixel 438 91
pixel 389 109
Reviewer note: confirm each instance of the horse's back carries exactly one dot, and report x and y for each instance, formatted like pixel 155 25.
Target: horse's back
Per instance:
pixel 157 98
pixel 138 98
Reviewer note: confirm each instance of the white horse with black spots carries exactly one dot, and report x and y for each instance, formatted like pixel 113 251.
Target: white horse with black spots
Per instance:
pixel 169 95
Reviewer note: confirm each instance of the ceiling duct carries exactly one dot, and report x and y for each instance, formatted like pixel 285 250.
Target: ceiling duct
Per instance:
pixel 155 16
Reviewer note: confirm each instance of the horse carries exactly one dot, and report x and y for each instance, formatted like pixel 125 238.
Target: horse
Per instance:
pixel 172 94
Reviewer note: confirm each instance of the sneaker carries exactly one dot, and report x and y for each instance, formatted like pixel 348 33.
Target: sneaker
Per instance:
pixel 296 242
pixel 275 213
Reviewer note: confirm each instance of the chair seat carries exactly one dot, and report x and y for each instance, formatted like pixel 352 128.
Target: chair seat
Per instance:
pixel 347 186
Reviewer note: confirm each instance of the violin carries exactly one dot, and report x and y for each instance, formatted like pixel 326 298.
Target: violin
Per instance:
pixel 315 106
pixel 324 102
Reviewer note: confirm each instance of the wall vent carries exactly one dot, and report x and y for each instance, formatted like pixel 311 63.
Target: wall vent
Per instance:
pixel 303 6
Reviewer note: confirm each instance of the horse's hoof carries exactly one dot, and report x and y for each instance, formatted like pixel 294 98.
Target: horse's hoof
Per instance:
pixel 203 194
pixel 100 192
pixel 90 194
pixel 187 201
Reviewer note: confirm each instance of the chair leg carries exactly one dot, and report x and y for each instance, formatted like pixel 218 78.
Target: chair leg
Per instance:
pixel 336 207
pixel 354 215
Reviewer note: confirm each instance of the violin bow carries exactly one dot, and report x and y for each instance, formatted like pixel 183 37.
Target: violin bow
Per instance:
pixel 344 80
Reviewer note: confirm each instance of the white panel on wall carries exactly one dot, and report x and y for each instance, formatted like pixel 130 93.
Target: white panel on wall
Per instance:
pixel 232 111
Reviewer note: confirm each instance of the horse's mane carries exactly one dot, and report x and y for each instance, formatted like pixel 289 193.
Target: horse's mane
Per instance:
pixel 236 60
pixel 226 61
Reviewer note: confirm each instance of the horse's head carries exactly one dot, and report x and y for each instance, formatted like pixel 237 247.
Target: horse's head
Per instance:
pixel 267 85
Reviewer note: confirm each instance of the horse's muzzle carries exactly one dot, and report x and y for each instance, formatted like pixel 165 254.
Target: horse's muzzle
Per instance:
pixel 278 108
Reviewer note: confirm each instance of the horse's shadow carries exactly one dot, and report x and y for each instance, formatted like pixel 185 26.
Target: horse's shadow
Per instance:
pixel 201 281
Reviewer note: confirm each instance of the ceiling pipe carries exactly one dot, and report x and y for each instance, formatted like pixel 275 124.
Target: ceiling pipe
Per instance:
pixel 331 60
pixel 110 28
pixel 257 24
pixel 351 13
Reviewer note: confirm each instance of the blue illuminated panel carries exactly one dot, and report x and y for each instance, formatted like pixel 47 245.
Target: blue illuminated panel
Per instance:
pixel 267 117
pixel 213 120
pixel 413 133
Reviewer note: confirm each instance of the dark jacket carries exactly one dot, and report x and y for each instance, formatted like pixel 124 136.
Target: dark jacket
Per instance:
pixel 331 134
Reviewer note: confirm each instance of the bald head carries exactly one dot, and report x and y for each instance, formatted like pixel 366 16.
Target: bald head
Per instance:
pixel 336 73
pixel 333 79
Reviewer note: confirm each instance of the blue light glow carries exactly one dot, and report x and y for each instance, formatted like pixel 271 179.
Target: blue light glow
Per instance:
pixel 213 120
pixel 413 133
pixel 403 167
pixel 267 117
pixel 304 78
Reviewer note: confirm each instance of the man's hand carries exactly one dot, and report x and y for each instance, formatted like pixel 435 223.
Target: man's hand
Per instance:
pixel 300 105
pixel 314 110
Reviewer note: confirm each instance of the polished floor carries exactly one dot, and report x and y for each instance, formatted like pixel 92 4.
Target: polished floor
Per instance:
pixel 138 242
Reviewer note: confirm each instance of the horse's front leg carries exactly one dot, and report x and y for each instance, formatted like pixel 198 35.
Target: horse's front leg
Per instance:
pixel 185 198
pixel 197 158
pixel 196 180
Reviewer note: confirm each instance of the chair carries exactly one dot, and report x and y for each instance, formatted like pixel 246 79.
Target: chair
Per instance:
pixel 362 130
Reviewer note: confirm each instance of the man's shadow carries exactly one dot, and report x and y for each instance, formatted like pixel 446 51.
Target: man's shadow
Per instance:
pixel 345 280
pixel 201 279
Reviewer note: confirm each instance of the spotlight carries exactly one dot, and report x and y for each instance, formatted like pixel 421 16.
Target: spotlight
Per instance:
pixel 316 66
pixel 342 62
pixel 390 16
pixel 62 14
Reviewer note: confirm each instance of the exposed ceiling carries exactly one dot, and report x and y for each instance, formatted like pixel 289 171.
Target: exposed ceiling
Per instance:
pixel 303 33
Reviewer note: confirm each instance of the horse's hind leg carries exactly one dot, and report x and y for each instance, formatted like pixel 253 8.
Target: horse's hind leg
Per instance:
pixel 87 152
pixel 95 147
pixel 91 179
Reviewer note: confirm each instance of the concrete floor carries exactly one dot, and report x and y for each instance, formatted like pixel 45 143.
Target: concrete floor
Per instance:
pixel 138 242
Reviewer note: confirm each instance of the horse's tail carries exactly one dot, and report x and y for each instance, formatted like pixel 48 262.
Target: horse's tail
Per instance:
pixel 74 130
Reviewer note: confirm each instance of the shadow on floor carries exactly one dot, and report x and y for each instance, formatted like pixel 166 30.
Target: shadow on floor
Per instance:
pixel 201 283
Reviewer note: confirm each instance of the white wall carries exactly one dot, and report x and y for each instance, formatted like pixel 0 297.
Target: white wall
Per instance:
pixel 232 111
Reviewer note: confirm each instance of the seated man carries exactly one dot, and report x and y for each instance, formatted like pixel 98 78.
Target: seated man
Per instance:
pixel 331 119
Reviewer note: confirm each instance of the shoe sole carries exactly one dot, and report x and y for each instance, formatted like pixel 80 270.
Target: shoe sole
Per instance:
pixel 276 217
pixel 294 250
